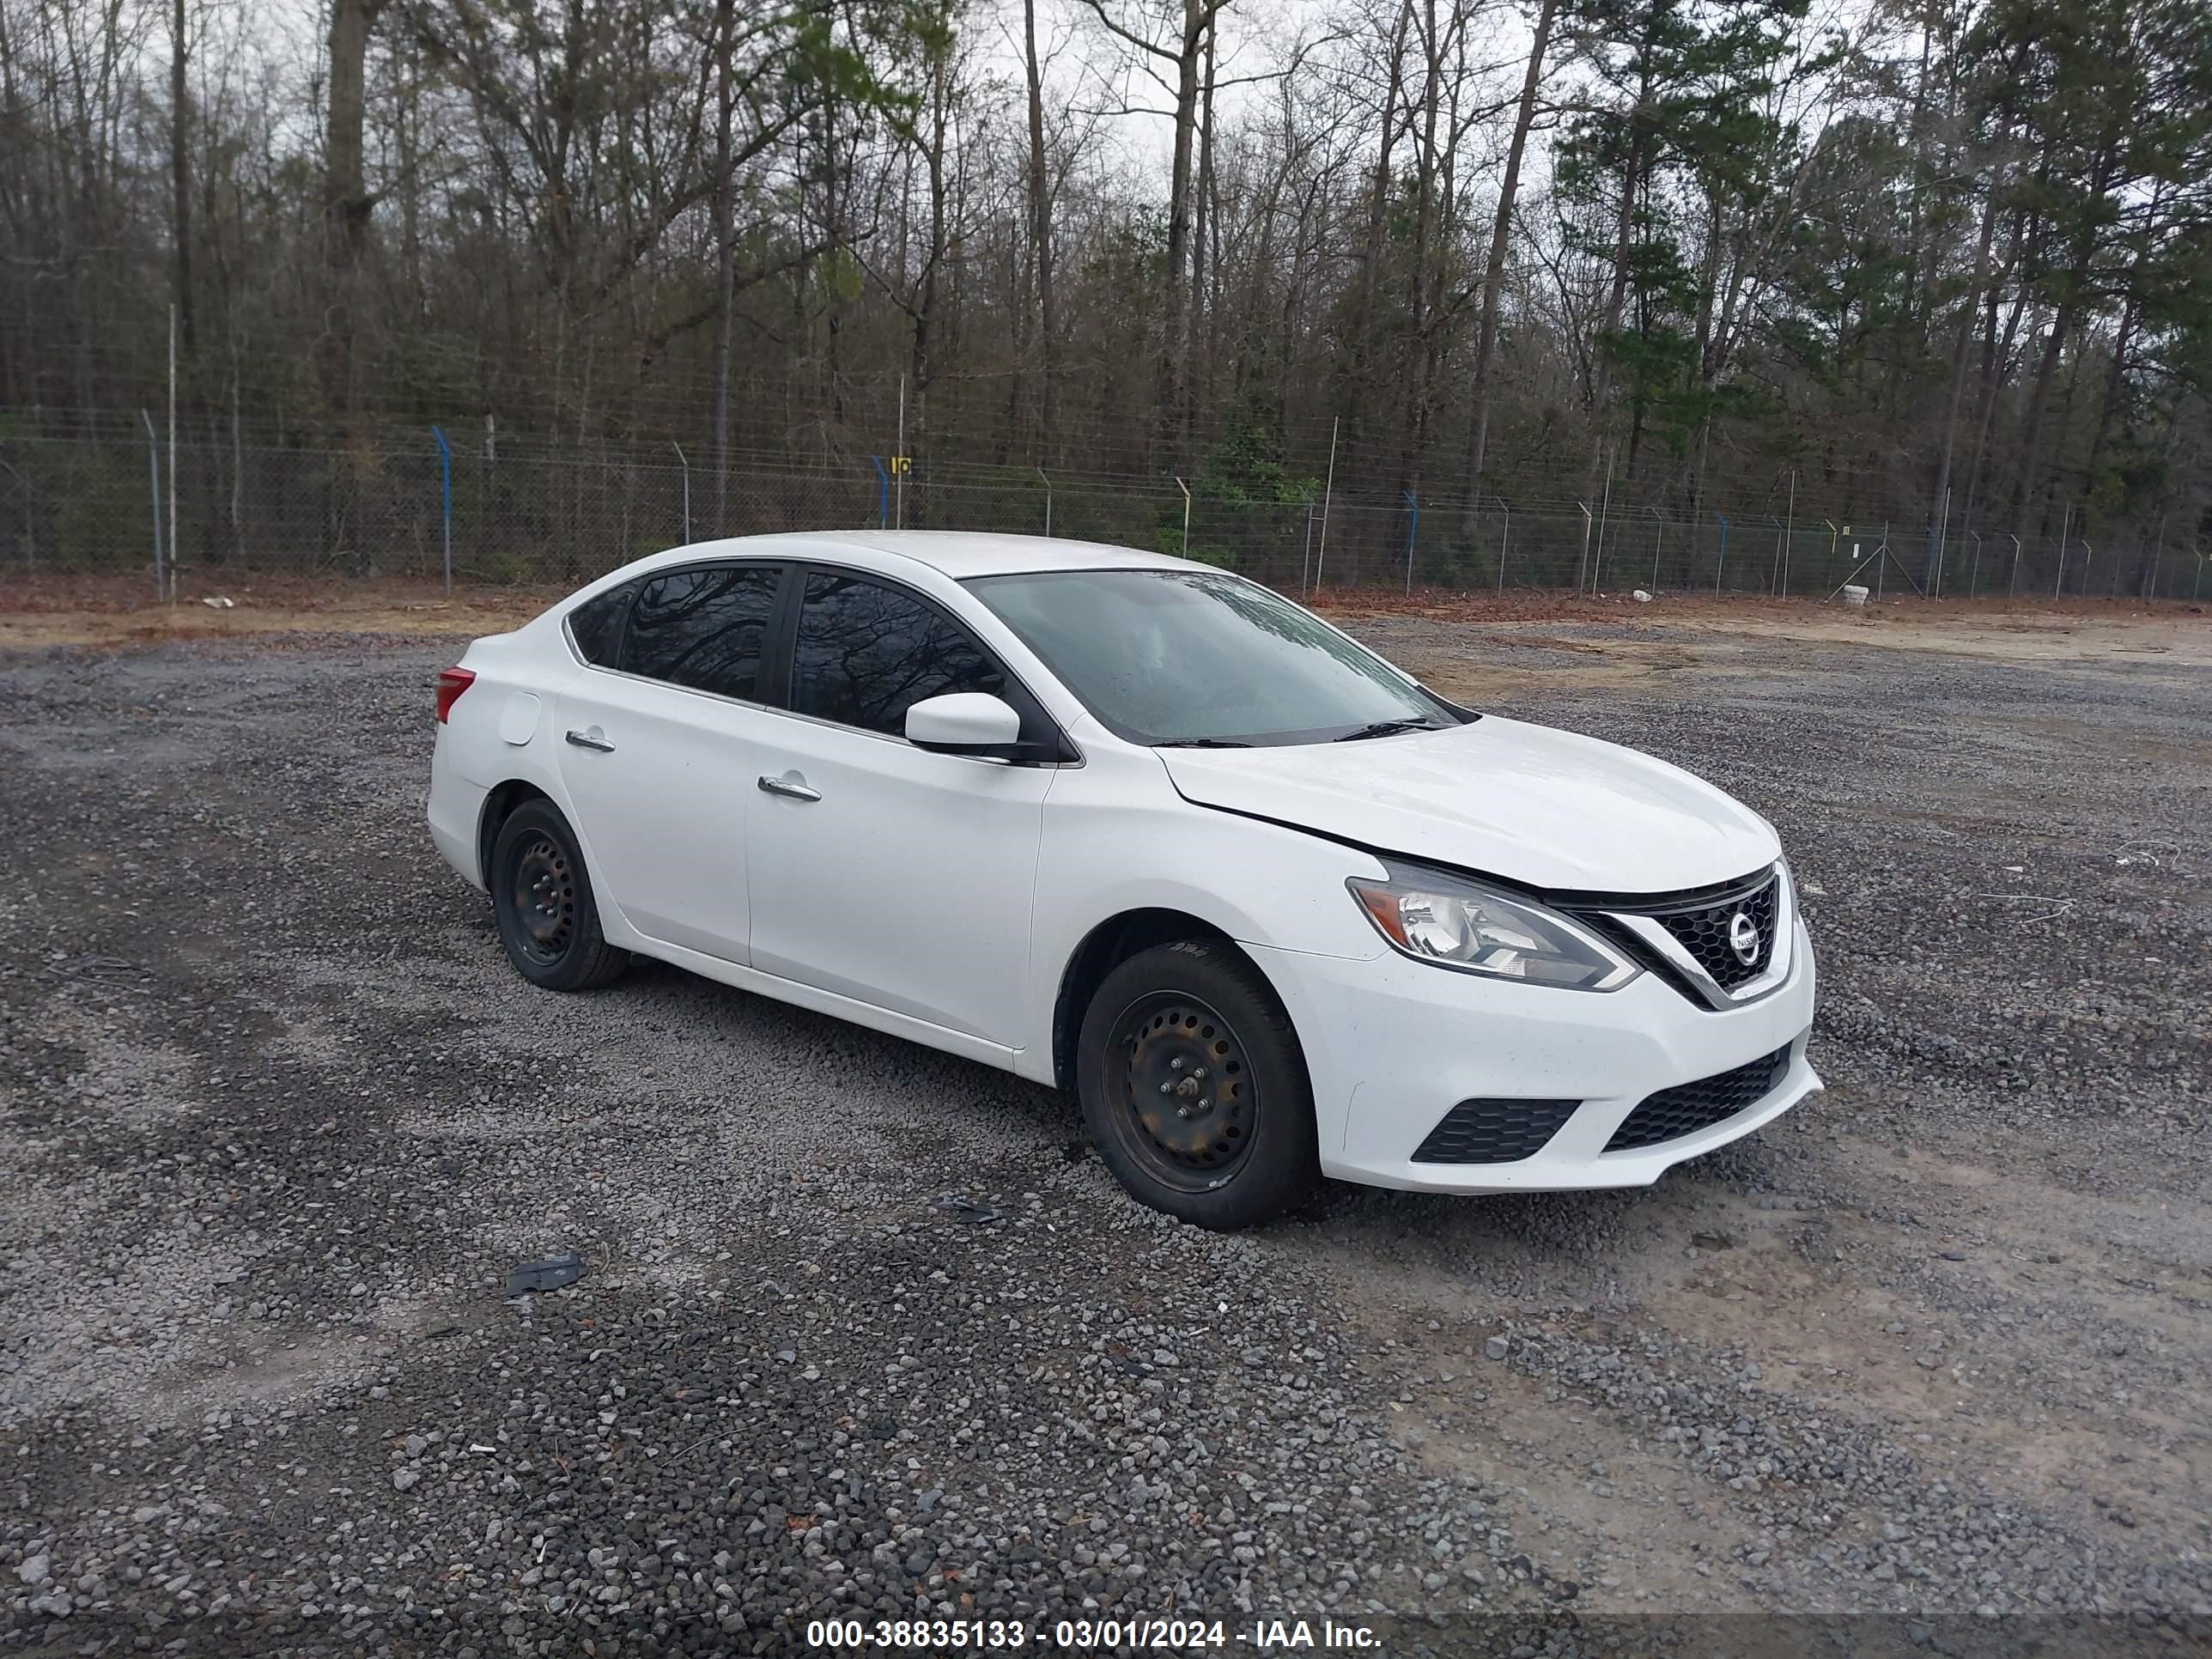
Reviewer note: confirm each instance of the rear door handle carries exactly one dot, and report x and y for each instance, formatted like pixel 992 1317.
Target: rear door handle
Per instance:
pixel 791 785
pixel 591 739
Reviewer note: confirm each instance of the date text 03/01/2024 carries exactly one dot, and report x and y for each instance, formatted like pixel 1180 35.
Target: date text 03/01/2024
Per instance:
pixel 1091 1635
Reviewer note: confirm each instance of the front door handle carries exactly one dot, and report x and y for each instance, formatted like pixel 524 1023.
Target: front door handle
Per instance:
pixel 591 739
pixel 791 785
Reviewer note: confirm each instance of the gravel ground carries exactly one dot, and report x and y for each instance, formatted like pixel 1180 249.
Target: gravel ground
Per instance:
pixel 1920 1367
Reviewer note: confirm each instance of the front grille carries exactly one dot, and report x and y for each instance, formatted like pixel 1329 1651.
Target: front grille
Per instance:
pixel 1689 1107
pixel 1705 933
pixel 1494 1131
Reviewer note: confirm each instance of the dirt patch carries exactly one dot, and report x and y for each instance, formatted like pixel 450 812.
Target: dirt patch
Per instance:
pixel 104 613
pixel 1496 665
pixel 1629 1527
pixel 2025 631
pixel 2004 636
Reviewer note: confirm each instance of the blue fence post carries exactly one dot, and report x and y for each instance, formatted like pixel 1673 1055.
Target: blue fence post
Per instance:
pixel 445 480
pixel 1722 565
pixel 883 494
pixel 1412 531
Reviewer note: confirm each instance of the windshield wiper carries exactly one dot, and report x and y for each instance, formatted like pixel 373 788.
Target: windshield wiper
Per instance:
pixel 1202 743
pixel 1384 729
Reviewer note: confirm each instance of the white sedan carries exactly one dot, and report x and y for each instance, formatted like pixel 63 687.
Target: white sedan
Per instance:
pixel 1142 830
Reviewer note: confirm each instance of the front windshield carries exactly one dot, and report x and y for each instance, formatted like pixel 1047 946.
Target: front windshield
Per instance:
pixel 1196 657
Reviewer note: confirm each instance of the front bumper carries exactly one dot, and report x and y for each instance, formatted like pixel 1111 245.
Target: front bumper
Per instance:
pixel 1392 1045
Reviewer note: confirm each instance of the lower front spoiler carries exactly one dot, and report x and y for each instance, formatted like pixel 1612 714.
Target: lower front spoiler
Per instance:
pixel 1575 1159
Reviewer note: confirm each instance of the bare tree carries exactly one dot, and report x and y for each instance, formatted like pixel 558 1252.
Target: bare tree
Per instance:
pixel 347 204
pixel 726 246
pixel 1182 53
pixel 1962 338
pixel 1494 269
pixel 181 178
pixel 1041 246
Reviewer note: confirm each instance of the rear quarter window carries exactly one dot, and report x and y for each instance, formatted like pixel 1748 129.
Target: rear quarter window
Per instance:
pixel 596 625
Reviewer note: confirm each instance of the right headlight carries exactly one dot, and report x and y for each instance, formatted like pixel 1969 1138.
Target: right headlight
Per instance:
pixel 1456 923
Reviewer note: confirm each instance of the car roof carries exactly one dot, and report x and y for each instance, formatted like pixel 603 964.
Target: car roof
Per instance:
pixel 958 554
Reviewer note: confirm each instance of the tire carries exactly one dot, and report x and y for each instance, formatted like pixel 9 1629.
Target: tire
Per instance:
pixel 1230 1141
pixel 541 895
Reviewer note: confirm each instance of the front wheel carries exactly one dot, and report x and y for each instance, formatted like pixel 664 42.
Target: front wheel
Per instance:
pixel 1195 1089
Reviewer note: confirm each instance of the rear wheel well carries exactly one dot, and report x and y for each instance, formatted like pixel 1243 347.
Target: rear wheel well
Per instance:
pixel 1108 945
pixel 498 807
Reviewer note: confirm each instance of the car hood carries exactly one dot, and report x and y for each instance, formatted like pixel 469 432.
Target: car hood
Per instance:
pixel 1545 808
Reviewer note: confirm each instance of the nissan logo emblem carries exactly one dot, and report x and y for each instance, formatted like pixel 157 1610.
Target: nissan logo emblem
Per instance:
pixel 1743 937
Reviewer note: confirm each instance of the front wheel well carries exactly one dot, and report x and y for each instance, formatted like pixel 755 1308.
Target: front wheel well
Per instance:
pixel 499 806
pixel 1104 948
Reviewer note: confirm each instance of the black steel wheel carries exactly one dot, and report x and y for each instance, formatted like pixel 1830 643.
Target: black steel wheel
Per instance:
pixel 1188 1087
pixel 1193 1086
pixel 541 896
pixel 544 897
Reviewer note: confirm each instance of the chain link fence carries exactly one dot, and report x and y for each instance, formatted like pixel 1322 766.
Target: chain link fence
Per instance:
pixel 108 496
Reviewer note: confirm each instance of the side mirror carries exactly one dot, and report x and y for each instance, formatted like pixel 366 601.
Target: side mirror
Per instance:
pixel 966 723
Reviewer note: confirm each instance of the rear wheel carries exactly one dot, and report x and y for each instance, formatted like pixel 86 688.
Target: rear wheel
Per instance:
pixel 1194 1087
pixel 541 895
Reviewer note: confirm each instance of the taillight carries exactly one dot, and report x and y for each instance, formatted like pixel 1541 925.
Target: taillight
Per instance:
pixel 452 682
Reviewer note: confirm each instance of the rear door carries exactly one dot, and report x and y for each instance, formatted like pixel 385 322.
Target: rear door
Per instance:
pixel 882 872
pixel 658 750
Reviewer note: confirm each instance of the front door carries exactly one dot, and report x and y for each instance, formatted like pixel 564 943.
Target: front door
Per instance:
pixel 879 871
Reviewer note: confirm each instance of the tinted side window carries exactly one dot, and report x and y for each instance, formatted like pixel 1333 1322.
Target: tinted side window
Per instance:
pixel 866 653
pixel 703 628
pixel 597 624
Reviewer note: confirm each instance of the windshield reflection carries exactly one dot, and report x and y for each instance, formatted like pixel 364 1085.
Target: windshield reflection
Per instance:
pixel 1203 658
